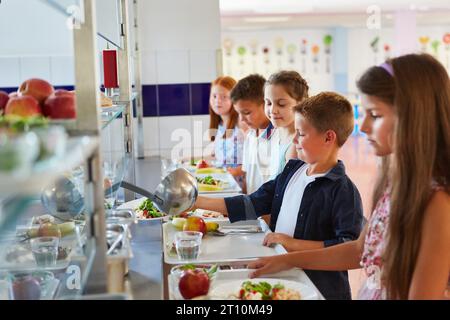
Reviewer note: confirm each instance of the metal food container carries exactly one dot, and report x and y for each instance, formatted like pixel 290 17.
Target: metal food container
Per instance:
pixel 126 217
pixel 119 254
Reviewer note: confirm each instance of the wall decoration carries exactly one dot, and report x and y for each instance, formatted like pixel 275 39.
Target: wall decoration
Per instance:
pixel 242 51
pixel 374 46
pixel 435 46
pixel 254 52
pixel 279 45
pixel 424 43
pixel 304 52
pixel 228 45
pixel 387 52
pixel 363 48
pixel 291 50
pixel 446 40
pixel 268 51
pixel 315 51
pixel 327 41
pixel 266 55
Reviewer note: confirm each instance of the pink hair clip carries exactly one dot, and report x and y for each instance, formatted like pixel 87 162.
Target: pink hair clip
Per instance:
pixel 388 67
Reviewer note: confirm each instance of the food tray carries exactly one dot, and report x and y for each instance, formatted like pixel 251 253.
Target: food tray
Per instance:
pixel 17 255
pixel 227 274
pixel 226 249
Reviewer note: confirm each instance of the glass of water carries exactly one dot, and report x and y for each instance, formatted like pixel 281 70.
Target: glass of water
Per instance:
pixel 45 251
pixel 188 244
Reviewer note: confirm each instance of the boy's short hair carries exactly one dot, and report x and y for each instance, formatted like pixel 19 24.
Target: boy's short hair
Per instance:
pixel 249 88
pixel 329 111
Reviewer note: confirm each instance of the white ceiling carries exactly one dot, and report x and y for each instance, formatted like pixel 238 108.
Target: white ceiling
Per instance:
pixel 264 14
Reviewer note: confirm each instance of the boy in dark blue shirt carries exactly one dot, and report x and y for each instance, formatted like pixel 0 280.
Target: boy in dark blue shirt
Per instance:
pixel 313 203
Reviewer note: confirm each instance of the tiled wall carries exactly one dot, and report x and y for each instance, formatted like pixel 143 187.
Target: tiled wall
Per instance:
pixel 177 65
pixel 58 70
pixel 175 99
pixel 168 108
pixel 176 85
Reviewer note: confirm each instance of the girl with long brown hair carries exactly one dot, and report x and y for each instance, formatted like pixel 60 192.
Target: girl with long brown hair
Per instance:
pixel 405 247
pixel 282 92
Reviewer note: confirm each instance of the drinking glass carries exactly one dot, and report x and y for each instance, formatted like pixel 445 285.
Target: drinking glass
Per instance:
pixel 188 244
pixel 45 251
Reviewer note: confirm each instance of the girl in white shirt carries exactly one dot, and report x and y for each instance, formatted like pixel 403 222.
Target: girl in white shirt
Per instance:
pixel 282 92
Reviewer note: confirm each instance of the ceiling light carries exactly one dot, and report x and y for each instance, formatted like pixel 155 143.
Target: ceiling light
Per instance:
pixel 267 19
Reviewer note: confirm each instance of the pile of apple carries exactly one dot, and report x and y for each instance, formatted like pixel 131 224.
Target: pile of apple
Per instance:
pixel 37 97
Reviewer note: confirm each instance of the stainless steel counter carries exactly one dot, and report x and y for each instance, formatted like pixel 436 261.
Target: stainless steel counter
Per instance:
pixel 144 280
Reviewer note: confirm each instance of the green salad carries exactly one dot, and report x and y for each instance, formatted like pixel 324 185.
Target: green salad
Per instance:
pixel 209 180
pixel 266 290
pixel 147 210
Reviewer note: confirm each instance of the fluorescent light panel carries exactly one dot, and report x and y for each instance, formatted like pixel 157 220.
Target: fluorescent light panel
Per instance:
pixel 267 19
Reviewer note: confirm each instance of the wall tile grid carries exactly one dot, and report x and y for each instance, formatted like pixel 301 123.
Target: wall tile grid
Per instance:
pixel 177 101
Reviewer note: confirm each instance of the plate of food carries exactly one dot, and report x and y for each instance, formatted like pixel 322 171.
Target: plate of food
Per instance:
pixel 208 183
pixel 263 289
pixel 207 214
pixel 204 214
pixel 144 209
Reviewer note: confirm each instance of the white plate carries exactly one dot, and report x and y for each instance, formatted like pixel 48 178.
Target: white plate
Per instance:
pixel 230 288
pixel 133 205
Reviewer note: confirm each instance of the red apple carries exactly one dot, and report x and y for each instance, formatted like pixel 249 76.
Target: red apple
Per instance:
pixel 37 88
pixel 24 106
pixel 4 97
pixel 62 92
pixel 202 164
pixel 60 105
pixel 25 287
pixel 194 283
pixel 14 94
pixel 195 224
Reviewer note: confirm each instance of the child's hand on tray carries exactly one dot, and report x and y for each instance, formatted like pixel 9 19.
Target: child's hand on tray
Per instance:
pixel 270 265
pixel 272 239
pixel 236 172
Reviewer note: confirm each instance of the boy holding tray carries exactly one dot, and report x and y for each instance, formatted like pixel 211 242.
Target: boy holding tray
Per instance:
pixel 313 203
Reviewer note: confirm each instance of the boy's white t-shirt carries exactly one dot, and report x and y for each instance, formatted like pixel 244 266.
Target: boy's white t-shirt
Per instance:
pixel 287 218
pixel 256 160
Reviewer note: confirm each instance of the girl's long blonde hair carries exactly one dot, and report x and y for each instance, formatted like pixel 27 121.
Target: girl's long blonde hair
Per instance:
pixel 420 95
